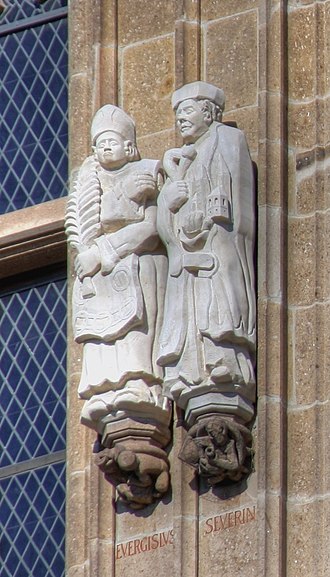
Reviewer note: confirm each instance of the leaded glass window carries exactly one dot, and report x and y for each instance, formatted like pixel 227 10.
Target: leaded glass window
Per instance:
pixel 32 430
pixel 33 102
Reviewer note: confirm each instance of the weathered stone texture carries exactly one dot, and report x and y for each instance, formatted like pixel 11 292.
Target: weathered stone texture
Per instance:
pixel 308 538
pixel 306 473
pixel 146 20
pixel 246 119
pixel 148 78
pixel 308 290
pixel 153 145
pixel 301 274
pixel 213 9
pixel 301 40
pixel 236 62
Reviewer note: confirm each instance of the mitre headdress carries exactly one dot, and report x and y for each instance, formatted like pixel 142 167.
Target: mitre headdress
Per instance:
pixel 110 117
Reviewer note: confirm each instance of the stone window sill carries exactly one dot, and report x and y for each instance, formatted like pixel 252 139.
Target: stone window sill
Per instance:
pixel 32 238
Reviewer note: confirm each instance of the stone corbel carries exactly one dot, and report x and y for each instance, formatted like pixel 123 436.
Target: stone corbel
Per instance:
pixel 132 457
pixel 133 433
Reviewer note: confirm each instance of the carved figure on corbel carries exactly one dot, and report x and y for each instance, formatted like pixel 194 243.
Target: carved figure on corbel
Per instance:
pixel 206 219
pixel 118 306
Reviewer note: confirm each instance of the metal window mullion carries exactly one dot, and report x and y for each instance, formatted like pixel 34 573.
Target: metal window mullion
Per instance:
pixel 30 465
pixel 31 22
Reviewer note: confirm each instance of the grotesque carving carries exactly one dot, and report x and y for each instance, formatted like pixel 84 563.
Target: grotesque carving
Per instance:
pixel 206 221
pixel 140 477
pixel 118 293
pixel 219 449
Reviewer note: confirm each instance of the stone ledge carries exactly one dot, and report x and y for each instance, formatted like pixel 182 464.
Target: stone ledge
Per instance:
pixel 32 238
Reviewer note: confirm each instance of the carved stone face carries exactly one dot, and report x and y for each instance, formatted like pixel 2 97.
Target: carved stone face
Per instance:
pixel 191 121
pixel 111 150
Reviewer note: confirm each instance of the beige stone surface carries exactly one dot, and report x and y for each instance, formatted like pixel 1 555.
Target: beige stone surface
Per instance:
pixel 78 571
pixel 312 180
pixel 109 19
pixel 308 538
pixel 154 145
pixel 270 333
pixel 314 349
pixel 211 10
pixel 231 531
pixel 108 69
pixel 105 552
pixel 308 275
pixel 274 39
pixel 302 124
pixel 305 440
pixel 148 78
pixel 270 443
pixel 145 20
pixel 189 56
pixel 302 261
pixel 236 65
pixel 76 507
pixel 270 182
pixel 80 114
pixel 82 34
pixel 301 38
pixel 270 245
pixel 247 120
pixel 271 533
pixel 145 553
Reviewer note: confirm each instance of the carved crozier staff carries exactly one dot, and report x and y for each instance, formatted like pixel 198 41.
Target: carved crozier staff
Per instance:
pixel 83 223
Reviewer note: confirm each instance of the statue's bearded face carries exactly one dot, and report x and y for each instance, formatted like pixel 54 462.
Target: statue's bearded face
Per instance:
pixel 192 121
pixel 111 150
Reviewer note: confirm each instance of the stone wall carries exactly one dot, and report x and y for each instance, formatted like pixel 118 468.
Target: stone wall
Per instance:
pixel 271 57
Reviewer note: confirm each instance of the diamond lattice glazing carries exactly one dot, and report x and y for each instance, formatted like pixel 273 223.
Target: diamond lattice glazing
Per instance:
pixel 18 9
pixel 32 372
pixel 33 115
pixel 32 523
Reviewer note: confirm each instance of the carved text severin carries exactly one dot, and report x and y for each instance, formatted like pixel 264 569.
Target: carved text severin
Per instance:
pixel 231 519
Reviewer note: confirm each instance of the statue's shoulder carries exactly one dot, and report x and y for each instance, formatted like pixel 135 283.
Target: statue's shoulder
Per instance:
pixel 147 165
pixel 230 131
pixel 230 139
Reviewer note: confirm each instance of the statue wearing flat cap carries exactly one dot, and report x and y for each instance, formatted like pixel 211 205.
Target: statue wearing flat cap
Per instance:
pixel 118 305
pixel 206 219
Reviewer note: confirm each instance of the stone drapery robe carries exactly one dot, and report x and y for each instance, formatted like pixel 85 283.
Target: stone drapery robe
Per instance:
pixel 209 317
pixel 119 323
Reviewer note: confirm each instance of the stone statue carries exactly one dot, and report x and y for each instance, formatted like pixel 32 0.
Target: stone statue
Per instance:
pixel 118 298
pixel 206 219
